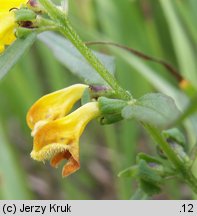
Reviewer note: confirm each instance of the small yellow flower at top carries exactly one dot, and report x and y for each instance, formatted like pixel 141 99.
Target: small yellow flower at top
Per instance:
pixel 56 134
pixel 7 21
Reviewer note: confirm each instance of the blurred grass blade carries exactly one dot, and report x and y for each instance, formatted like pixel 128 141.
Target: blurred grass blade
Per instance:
pixel 13 183
pixel 193 8
pixel 182 45
pixel 14 52
pixel 154 78
pixel 172 70
pixel 188 17
pixel 70 57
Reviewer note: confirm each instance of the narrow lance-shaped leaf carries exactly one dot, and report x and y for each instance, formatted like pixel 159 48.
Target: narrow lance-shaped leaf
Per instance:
pixel 14 52
pixel 70 57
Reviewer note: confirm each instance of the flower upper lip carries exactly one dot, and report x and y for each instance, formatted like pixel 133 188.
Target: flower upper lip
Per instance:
pixel 55 105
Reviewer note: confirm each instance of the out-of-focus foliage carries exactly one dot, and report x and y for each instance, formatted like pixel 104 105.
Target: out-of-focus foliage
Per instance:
pixel 165 29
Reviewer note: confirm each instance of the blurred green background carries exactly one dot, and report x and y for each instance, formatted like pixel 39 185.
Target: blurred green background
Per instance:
pixel 165 29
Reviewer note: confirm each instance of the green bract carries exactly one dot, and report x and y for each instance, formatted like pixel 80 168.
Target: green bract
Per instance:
pixel 111 109
pixel 155 108
pixel 24 14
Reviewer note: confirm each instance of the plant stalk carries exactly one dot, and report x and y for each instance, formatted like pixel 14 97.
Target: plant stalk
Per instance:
pixel 66 29
pixel 178 163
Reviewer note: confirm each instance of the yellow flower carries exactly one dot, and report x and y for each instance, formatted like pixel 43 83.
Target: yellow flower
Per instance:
pixel 59 139
pixel 7 21
pixel 56 134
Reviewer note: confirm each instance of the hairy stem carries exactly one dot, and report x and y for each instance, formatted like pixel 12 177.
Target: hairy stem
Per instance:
pixel 66 29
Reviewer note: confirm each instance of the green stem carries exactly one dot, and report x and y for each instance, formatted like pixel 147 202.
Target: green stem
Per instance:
pixel 178 163
pixel 66 29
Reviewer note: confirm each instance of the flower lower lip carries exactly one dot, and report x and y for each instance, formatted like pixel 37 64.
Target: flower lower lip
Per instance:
pixel 56 153
pixel 49 151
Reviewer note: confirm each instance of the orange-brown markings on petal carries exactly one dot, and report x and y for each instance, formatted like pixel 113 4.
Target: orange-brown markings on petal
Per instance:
pixel 59 157
pixel 70 167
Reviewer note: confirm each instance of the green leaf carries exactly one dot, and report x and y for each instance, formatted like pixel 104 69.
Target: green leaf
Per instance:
pixel 149 179
pixel 70 57
pixel 147 158
pixel 14 52
pixel 148 174
pixel 149 188
pixel 155 108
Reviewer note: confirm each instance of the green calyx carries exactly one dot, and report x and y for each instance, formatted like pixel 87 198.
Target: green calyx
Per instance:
pixel 22 32
pixel 177 142
pixel 111 109
pixel 111 106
